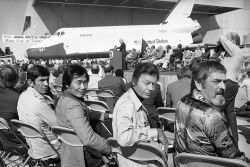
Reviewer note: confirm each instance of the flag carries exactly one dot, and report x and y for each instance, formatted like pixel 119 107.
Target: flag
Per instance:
pixel 144 46
pixel 27 23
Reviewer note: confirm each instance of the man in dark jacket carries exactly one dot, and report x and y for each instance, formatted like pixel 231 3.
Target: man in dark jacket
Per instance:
pixel 122 48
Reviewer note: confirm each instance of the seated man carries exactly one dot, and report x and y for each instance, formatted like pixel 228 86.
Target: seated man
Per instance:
pixel 132 57
pixel 35 108
pixel 177 55
pixel 110 82
pixel 131 123
pixel 176 90
pixel 149 57
pixel 200 126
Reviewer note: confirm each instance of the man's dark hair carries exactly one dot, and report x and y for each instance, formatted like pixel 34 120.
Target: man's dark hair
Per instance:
pixel 179 46
pixel 95 68
pixel 108 68
pixel 119 73
pixel 72 71
pixel 8 76
pixel 37 71
pixel 183 72
pixel 145 68
pixel 202 70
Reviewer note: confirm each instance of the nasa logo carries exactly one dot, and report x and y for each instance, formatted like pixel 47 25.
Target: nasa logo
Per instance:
pixel 111 54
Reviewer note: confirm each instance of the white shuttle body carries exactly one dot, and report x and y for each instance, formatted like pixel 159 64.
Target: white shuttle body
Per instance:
pixel 95 42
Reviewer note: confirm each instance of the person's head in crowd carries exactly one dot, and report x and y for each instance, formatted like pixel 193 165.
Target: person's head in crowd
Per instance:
pixel 50 67
pixel 160 47
pixel 187 48
pixel 206 48
pixel 38 78
pixel 7 50
pixel 233 37
pixel 119 73
pixel 75 80
pixel 29 66
pixel 121 40
pixel 108 69
pixel 95 68
pixel 8 77
pixel 152 47
pixel 179 46
pixel 168 47
pixel 198 48
pixel 144 79
pixel 133 50
pixel 56 66
pixel 183 72
pixel 208 79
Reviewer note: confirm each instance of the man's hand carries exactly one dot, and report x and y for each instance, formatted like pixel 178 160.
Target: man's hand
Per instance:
pixel 163 139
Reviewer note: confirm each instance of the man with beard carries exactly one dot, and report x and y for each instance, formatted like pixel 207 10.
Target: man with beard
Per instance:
pixel 200 126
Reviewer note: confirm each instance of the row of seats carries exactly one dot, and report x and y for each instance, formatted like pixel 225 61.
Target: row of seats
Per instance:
pixel 140 151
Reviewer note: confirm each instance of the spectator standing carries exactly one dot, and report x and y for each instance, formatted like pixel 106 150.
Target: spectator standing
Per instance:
pixel 232 61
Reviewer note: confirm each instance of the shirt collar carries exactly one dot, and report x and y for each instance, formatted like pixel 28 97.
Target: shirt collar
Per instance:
pixel 39 95
pixel 135 99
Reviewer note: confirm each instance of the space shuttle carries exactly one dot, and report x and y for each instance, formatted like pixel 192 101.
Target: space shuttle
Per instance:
pixel 95 42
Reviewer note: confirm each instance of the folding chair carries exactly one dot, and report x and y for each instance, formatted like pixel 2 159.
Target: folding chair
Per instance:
pixel 91 94
pixel 108 97
pixel 29 131
pixel 140 152
pixel 197 160
pixel 69 137
pixel 98 106
pixel 13 149
pixel 168 114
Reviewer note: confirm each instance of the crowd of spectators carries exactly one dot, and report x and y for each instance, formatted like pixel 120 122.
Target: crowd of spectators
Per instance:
pixel 48 93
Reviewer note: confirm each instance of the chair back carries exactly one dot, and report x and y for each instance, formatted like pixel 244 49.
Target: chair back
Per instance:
pixel 105 93
pixel 67 136
pixel 140 151
pixel 27 129
pixel 108 97
pixel 30 131
pixel 4 125
pixel 169 115
pixel 197 160
pixel 97 105
pixel 166 113
pixel 91 92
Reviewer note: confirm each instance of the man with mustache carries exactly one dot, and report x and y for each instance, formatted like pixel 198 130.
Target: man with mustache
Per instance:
pixel 200 126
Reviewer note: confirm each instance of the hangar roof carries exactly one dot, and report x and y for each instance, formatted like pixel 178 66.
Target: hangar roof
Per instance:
pixel 204 7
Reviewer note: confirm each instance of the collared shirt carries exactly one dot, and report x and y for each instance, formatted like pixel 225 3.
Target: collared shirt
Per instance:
pixel 234 61
pixel 130 123
pixel 36 109
pixel 201 128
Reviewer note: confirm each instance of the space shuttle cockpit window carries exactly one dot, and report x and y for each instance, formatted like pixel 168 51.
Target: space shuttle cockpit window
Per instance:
pixel 62 33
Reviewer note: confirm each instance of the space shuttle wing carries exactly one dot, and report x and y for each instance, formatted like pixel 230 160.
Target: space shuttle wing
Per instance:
pixel 182 9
